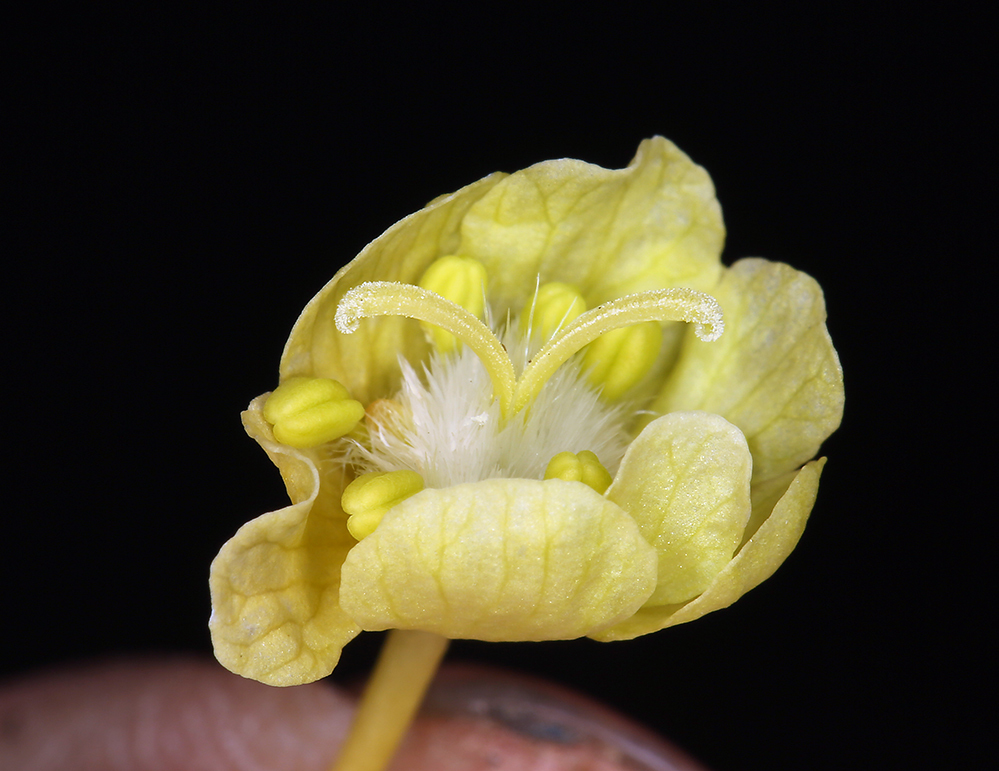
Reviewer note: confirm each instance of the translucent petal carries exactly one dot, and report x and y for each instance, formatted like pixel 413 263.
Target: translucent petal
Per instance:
pixel 685 481
pixel 774 372
pixel 501 559
pixel 652 225
pixel 761 555
pixel 275 584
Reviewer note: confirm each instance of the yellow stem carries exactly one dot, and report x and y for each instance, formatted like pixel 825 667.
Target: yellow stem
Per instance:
pixel 406 665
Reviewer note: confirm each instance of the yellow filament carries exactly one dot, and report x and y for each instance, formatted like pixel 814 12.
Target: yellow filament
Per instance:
pixel 386 298
pixel 679 304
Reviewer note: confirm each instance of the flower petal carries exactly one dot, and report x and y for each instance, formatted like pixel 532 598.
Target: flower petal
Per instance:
pixel 774 372
pixel 756 561
pixel 366 362
pixel 500 559
pixel 275 584
pixel 652 225
pixel 685 481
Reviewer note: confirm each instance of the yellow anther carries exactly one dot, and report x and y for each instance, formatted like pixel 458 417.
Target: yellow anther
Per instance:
pixel 462 280
pixel 618 359
pixel 675 304
pixel 370 496
pixel 554 305
pixel 308 411
pixel 582 467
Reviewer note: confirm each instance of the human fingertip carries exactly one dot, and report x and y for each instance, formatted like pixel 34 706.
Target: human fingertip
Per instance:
pixel 166 714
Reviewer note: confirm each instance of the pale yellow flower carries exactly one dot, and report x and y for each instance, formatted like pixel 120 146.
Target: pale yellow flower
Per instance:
pixel 564 444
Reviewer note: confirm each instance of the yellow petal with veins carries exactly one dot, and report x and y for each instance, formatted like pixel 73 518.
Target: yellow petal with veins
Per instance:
pixel 774 373
pixel 782 526
pixel 500 559
pixel 685 480
pixel 611 232
pixel 276 616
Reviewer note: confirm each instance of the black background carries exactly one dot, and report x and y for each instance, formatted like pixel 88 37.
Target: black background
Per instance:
pixel 182 186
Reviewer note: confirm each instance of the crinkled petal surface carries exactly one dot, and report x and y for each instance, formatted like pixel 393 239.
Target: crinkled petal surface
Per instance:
pixel 501 559
pixel 276 617
pixel 774 373
pixel 609 232
pixel 685 481
pixel 759 557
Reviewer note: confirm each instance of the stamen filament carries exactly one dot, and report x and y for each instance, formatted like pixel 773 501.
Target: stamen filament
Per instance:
pixel 677 304
pixel 387 298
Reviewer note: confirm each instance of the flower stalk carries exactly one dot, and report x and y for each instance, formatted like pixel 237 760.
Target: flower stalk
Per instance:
pixel 406 665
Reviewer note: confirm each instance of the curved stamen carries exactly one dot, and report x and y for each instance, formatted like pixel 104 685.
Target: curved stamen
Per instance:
pixel 678 304
pixel 387 298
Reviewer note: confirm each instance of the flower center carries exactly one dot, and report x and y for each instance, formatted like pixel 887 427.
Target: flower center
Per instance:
pixel 445 424
pixel 472 414
pixel 385 298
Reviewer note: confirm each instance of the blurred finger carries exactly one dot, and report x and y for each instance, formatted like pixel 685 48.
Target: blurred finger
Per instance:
pixel 160 716
pixel 192 714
